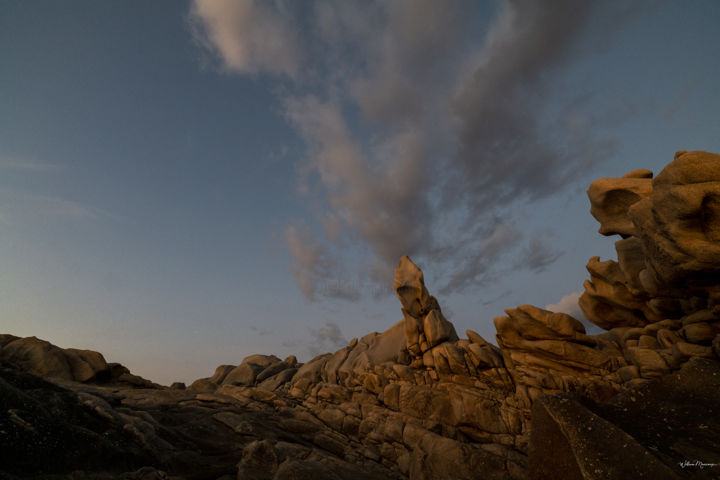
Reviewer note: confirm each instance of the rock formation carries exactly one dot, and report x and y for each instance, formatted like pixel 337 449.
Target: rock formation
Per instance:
pixel 44 359
pixel 416 401
pixel 669 255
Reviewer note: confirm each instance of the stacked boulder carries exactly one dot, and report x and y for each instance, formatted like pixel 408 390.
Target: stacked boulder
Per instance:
pixel 425 325
pixel 548 353
pixel 45 359
pixel 264 371
pixel 660 300
pixel 42 358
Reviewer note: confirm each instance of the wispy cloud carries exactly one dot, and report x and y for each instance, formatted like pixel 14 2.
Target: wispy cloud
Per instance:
pixel 249 36
pixel 327 338
pixel 22 164
pixel 492 300
pixel 16 204
pixel 421 134
pixel 261 331
pixel 538 254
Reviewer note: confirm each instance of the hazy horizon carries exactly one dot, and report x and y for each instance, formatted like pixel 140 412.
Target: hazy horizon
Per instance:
pixel 184 184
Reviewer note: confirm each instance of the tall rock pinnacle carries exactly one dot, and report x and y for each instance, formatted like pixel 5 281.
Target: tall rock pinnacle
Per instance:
pixel 425 325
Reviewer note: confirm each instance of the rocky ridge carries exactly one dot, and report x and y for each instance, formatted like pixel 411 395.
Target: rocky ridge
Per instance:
pixel 418 402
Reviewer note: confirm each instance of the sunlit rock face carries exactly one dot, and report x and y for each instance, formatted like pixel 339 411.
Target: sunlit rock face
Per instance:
pixel 679 226
pixel 610 199
pixel 418 402
pixel 668 263
pixel 666 281
pixel 425 325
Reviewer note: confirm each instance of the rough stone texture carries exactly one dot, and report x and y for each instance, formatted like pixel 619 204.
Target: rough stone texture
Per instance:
pixel 680 223
pixel 113 430
pixel 669 259
pixel 548 352
pixel 44 359
pixel 220 373
pixel 575 438
pixel 610 198
pixel 425 325
pixel 46 428
pixel 569 441
pixel 415 401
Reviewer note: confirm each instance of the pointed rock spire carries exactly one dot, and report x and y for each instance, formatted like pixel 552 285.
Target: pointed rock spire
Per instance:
pixel 425 325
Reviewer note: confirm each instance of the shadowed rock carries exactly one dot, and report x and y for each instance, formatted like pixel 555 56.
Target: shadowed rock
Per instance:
pixel 574 438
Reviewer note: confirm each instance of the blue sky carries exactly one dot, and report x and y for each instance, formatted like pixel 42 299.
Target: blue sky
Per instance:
pixel 183 184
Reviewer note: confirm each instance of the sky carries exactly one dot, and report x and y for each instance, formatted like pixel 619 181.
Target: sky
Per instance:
pixel 183 184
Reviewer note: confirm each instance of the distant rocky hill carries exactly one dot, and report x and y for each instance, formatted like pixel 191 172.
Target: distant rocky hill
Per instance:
pixel 641 400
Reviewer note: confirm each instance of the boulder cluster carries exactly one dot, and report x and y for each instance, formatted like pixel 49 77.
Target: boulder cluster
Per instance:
pixel 660 300
pixel 44 359
pixel 417 402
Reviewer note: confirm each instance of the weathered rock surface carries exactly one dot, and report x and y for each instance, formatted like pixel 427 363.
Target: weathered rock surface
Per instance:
pixel 120 431
pixel 425 325
pixel 669 259
pixel 573 437
pixel 47 429
pixel 44 359
pixel 418 402
pixel 610 198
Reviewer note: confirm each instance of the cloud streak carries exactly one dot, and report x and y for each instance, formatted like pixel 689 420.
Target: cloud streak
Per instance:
pixel 20 164
pixel 422 134
pixel 23 205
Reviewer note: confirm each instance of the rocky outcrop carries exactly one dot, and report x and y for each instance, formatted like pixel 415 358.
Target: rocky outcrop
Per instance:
pixel 425 325
pixel 265 371
pixel 44 359
pixel 48 429
pixel 548 353
pixel 111 431
pixel 668 263
pixel 418 402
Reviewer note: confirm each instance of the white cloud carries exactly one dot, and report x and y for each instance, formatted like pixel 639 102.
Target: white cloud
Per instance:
pixel 249 36
pixel 569 304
